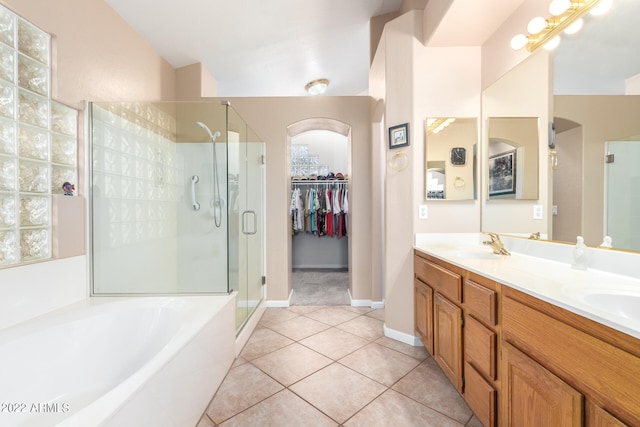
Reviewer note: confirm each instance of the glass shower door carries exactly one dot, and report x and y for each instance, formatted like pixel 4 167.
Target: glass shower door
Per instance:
pixel 246 231
pixel 622 194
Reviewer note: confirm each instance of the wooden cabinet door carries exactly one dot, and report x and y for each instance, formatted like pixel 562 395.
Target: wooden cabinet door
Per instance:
pixel 536 397
pixel 447 339
pixel 423 312
pixel 598 417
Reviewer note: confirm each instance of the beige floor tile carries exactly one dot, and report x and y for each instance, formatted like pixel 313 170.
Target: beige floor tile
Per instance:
pixel 243 387
pixel 419 353
pixel 428 385
pixel 380 363
pixel 299 327
pixel 338 391
pixel 394 409
pixel 239 361
pixel 205 422
pixel 332 315
pixel 304 309
pixel 359 310
pixel 263 341
pixel 283 409
pixel 474 422
pixel 291 363
pixel 377 314
pixel 334 343
pixel 276 315
pixel 363 326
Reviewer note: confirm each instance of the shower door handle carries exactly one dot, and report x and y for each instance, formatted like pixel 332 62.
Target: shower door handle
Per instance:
pixel 244 222
pixel 194 202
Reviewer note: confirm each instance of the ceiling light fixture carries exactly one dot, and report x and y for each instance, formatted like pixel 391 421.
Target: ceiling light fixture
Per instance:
pixel 317 87
pixel 543 32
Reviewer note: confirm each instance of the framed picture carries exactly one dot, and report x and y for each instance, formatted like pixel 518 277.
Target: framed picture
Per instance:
pixel 502 174
pixel 399 136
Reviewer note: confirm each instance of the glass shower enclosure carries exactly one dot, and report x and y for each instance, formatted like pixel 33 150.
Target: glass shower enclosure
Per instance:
pixel 176 201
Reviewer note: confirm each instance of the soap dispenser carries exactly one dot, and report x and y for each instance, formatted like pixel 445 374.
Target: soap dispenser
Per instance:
pixel 580 255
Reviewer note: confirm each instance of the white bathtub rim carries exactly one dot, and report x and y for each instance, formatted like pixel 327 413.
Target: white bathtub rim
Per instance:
pixel 103 408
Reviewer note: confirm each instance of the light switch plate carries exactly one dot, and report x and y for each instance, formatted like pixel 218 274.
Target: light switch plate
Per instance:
pixel 537 211
pixel 423 213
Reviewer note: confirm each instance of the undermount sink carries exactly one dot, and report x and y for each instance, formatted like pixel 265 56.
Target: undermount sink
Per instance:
pixel 624 304
pixel 619 301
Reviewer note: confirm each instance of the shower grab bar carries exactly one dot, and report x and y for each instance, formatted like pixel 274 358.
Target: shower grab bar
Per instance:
pixel 194 181
pixel 255 222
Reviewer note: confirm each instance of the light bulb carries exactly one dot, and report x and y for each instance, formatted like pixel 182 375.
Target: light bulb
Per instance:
pixel 519 41
pixel 601 8
pixel 558 7
pixel 575 27
pixel 536 25
pixel 553 43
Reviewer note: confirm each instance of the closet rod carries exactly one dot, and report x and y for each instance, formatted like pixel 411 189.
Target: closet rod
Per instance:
pixel 321 181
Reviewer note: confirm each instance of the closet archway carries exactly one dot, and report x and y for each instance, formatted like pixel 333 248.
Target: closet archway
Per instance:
pixel 320 244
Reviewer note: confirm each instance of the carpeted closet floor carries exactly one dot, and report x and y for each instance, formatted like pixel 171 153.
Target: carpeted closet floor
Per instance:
pixel 320 287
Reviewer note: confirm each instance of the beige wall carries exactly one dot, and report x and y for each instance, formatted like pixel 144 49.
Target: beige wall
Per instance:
pixel 568 186
pixel 505 99
pixel 603 118
pixel 269 118
pixel 447 84
pixel 98 56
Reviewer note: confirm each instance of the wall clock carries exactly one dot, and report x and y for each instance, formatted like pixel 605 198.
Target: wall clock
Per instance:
pixel 458 156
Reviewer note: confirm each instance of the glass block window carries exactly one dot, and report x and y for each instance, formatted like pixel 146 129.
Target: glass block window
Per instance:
pixel 38 141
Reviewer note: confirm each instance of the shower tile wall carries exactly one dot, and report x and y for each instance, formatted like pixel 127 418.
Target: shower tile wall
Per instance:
pixel 38 140
pixel 135 185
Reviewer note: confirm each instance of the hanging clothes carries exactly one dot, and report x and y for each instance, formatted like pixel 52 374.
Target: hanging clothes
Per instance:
pixel 297 211
pixel 329 211
pixel 322 210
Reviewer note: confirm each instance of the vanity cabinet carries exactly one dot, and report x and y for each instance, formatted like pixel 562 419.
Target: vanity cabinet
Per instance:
pixel 518 360
pixel 438 313
pixel 587 371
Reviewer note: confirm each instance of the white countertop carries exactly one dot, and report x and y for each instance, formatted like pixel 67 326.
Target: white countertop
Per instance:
pixel 578 291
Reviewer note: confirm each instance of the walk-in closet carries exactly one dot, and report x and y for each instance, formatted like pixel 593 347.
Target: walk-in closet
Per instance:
pixel 319 208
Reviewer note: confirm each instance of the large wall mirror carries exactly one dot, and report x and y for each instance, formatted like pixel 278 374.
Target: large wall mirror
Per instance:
pixel 512 168
pixel 593 166
pixel 596 108
pixel 451 158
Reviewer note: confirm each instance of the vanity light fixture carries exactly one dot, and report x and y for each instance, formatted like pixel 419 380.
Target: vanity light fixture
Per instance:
pixel 317 87
pixel 439 124
pixel 566 15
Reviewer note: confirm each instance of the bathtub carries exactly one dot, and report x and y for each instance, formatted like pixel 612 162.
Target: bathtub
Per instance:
pixel 117 362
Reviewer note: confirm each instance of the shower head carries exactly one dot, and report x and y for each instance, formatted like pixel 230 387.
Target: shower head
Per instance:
pixel 213 136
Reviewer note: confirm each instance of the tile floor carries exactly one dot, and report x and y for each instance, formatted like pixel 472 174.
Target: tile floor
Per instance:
pixel 332 366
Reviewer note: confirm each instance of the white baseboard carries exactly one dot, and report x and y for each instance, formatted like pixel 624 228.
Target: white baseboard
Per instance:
pixel 402 337
pixel 377 304
pixel 320 266
pixel 365 302
pixel 280 303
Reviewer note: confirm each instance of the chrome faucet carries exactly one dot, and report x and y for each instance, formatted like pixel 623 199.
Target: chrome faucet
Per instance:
pixel 496 244
pixel 535 236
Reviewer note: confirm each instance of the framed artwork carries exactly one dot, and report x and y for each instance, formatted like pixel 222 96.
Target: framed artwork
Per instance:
pixel 502 174
pixel 399 136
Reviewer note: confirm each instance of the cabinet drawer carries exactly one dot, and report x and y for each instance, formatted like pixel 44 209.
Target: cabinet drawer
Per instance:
pixel 480 301
pixel 480 396
pixel 442 280
pixel 480 347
